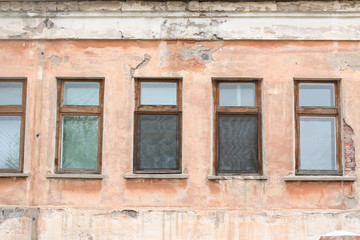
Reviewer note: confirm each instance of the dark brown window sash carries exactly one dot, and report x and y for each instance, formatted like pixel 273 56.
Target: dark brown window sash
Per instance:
pixel 77 110
pixel 16 110
pixel 237 111
pixel 158 110
pixel 318 112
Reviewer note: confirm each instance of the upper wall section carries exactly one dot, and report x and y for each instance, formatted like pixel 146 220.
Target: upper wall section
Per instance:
pixel 193 20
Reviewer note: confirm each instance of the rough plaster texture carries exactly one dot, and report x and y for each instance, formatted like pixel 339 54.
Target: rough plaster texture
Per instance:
pixel 194 207
pixel 168 39
pixel 80 223
pixel 293 20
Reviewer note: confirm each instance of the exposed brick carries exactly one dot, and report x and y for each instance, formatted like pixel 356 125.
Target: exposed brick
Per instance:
pixel 349 149
pixel 350 164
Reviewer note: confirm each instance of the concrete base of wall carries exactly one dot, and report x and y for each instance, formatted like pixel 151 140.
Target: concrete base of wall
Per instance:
pixel 83 223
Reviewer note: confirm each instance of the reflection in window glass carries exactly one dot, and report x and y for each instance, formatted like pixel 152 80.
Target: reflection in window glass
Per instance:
pixel 79 142
pixel 157 141
pixel 238 143
pixel 316 94
pixel 10 141
pixel 237 94
pixel 317 143
pixel 81 93
pixel 10 93
pixel 158 93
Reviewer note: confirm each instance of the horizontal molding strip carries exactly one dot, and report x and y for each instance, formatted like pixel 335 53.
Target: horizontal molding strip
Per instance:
pixel 181 26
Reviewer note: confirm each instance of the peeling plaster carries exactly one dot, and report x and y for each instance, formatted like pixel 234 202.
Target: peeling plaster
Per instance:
pixel 55 60
pixel 143 63
pixel 331 20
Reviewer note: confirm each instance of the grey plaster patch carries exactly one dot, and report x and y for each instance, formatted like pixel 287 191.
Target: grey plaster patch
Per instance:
pixel 8 213
pixel 344 61
pixel 130 213
pixel 350 202
pixel 55 60
pixel 203 53
pixel 117 213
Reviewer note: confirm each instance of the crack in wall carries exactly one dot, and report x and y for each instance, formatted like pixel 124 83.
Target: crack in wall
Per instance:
pixel 143 63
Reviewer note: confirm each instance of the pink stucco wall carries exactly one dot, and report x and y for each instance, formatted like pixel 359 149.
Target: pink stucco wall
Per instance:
pixel 277 62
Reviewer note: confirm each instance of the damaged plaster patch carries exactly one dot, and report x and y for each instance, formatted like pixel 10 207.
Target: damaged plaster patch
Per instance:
pixel 117 213
pixel 349 148
pixel 55 60
pixel 344 61
pixel 204 28
pixel 34 31
pixel 203 53
pixel 8 213
pixel 143 63
pixel 130 213
pixel 350 202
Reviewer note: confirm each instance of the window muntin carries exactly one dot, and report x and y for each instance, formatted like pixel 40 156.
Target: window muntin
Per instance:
pixel 237 126
pixel 157 136
pixel 12 124
pixel 79 132
pixel 318 141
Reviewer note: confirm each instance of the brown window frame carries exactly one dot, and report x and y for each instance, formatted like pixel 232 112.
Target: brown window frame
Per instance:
pixel 318 112
pixel 229 110
pixel 16 110
pixel 158 110
pixel 82 111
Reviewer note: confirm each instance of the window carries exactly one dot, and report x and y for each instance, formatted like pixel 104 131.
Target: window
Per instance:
pixel 79 128
pixel 12 124
pixel 157 137
pixel 237 126
pixel 317 110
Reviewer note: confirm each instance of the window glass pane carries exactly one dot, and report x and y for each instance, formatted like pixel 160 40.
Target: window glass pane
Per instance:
pixel 79 142
pixel 158 93
pixel 316 94
pixel 10 93
pixel 237 94
pixel 317 143
pixel 157 137
pixel 81 93
pixel 238 143
pixel 10 141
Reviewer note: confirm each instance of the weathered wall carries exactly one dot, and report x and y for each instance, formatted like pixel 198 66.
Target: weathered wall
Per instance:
pixel 196 41
pixel 245 206
pixel 68 223
pixel 306 20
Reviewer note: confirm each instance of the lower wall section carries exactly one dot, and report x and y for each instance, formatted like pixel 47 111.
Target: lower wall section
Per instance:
pixel 81 223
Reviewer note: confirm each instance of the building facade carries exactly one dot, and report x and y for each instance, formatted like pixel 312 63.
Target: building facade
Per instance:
pixel 179 120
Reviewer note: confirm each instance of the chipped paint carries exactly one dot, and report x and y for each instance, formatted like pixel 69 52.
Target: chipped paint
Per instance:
pixel 195 41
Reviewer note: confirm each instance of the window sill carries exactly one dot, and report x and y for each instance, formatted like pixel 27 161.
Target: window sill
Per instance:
pixel 74 176
pixel 19 175
pixel 320 179
pixel 249 177
pixel 155 176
